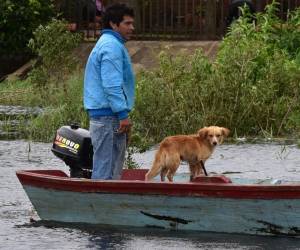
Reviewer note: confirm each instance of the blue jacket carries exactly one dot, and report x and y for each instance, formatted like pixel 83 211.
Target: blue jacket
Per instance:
pixel 109 80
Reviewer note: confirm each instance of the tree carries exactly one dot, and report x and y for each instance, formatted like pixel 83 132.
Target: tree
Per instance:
pixel 18 20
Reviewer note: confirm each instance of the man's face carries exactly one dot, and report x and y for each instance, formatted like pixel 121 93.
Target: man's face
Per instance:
pixel 125 28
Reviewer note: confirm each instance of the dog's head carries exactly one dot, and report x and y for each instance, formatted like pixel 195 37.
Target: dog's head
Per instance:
pixel 213 134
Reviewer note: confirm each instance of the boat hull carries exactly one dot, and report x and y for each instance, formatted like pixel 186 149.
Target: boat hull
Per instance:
pixel 214 214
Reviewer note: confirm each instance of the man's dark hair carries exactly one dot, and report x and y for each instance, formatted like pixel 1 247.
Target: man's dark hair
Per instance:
pixel 115 14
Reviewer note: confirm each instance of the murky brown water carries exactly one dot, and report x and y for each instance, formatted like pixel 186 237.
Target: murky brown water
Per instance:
pixel 18 232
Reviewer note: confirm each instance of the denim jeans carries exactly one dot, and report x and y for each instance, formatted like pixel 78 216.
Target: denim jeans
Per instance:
pixel 109 147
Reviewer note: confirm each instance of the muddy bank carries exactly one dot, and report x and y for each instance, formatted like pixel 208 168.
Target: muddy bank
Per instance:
pixel 144 53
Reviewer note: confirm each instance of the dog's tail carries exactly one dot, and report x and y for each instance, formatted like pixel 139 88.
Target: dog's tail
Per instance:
pixel 159 162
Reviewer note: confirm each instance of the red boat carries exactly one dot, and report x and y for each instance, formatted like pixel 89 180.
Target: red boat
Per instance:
pixel 208 203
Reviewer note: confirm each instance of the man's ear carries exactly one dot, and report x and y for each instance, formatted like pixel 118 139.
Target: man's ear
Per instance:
pixel 113 25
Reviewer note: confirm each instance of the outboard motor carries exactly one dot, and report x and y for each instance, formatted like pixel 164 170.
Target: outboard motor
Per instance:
pixel 73 145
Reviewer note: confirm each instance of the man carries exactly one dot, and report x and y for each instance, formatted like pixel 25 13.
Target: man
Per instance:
pixel 109 92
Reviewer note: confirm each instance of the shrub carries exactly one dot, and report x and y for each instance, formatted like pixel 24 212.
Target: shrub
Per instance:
pixel 252 87
pixel 54 45
pixel 17 22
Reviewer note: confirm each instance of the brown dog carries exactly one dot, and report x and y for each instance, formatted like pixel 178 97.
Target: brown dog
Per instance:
pixel 190 148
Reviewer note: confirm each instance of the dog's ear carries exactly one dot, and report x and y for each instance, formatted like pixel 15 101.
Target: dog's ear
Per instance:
pixel 225 132
pixel 203 132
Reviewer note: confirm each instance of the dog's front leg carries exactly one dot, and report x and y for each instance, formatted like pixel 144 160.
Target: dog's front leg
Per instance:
pixel 197 169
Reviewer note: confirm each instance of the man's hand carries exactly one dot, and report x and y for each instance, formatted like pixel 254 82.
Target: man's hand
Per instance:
pixel 125 126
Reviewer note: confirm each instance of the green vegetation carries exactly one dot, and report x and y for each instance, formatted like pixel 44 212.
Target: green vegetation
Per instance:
pixel 18 20
pixel 54 84
pixel 53 44
pixel 60 107
pixel 252 87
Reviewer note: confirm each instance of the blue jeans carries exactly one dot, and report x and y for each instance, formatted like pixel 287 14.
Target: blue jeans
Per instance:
pixel 109 147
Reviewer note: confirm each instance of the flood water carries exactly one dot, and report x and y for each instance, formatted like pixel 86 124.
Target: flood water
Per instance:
pixel 20 227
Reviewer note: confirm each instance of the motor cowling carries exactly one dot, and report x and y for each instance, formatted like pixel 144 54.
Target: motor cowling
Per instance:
pixel 73 145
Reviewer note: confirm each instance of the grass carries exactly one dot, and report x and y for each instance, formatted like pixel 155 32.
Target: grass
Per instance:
pixel 61 106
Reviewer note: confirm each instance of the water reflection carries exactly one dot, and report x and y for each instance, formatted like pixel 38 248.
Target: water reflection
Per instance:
pixel 108 237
